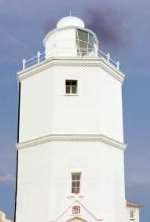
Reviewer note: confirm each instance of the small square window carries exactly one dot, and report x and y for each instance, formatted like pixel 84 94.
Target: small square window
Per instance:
pixel 71 86
pixel 76 210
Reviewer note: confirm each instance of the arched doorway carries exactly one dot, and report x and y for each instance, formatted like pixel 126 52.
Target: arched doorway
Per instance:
pixel 76 219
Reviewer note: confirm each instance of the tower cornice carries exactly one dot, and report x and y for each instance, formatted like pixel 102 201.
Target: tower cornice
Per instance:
pixel 72 137
pixel 70 61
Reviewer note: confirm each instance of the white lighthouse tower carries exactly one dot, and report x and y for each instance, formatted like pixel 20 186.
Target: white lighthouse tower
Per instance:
pixel 70 135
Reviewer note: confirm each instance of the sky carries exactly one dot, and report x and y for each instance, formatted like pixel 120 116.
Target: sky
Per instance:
pixel 123 29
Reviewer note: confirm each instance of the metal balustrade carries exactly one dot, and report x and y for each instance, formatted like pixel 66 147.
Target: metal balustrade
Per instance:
pixel 39 58
pixel 79 53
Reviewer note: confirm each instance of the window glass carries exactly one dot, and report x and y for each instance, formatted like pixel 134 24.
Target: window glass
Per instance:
pixel 83 35
pixel 85 42
pixel 76 210
pixel 91 39
pixel 71 86
pixel 76 183
pixel 132 214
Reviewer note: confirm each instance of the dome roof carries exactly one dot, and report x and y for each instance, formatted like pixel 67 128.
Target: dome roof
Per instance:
pixel 70 21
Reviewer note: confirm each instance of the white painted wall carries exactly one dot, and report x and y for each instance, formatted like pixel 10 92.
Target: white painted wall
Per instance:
pixel 97 108
pixel 44 190
pixel 45 108
pixel 61 43
pixel 36 105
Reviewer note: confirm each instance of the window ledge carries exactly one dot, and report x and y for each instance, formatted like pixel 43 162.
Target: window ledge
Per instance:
pixel 71 94
pixel 72 196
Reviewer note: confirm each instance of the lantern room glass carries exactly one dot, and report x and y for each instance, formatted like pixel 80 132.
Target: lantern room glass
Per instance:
pixel 86 43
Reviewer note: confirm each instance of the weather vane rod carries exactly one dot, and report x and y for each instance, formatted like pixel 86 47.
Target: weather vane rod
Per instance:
pixel 70 12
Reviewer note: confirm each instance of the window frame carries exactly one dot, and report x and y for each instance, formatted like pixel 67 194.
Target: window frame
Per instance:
pixel 76 183
pixel 88 45
pixel 76 210
pixel 72 88
pixel 132 214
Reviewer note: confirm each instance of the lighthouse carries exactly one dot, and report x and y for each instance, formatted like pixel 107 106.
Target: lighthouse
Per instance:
pixel 70 148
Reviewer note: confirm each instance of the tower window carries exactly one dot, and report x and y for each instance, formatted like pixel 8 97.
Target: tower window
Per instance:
pixel 76 210
pixel 132 214
pixel 86 43
pixel 71 86
pixel 76 177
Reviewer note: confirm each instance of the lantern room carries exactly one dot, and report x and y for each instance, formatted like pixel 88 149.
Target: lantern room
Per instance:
pixel 70 38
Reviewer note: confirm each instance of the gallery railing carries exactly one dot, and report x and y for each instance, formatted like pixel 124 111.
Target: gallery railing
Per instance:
pixel 83 53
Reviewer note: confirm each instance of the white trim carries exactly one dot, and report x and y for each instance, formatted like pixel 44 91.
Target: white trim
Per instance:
pixel 72 137
pixel 133 205
pixel 71 94
pixel 75 196
pixel 89 62
pixel 82 206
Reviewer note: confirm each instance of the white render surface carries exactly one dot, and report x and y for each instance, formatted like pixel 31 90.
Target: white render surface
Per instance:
pixel 61 43
pixel 45 108
pixel 60 134
pixel 45 175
